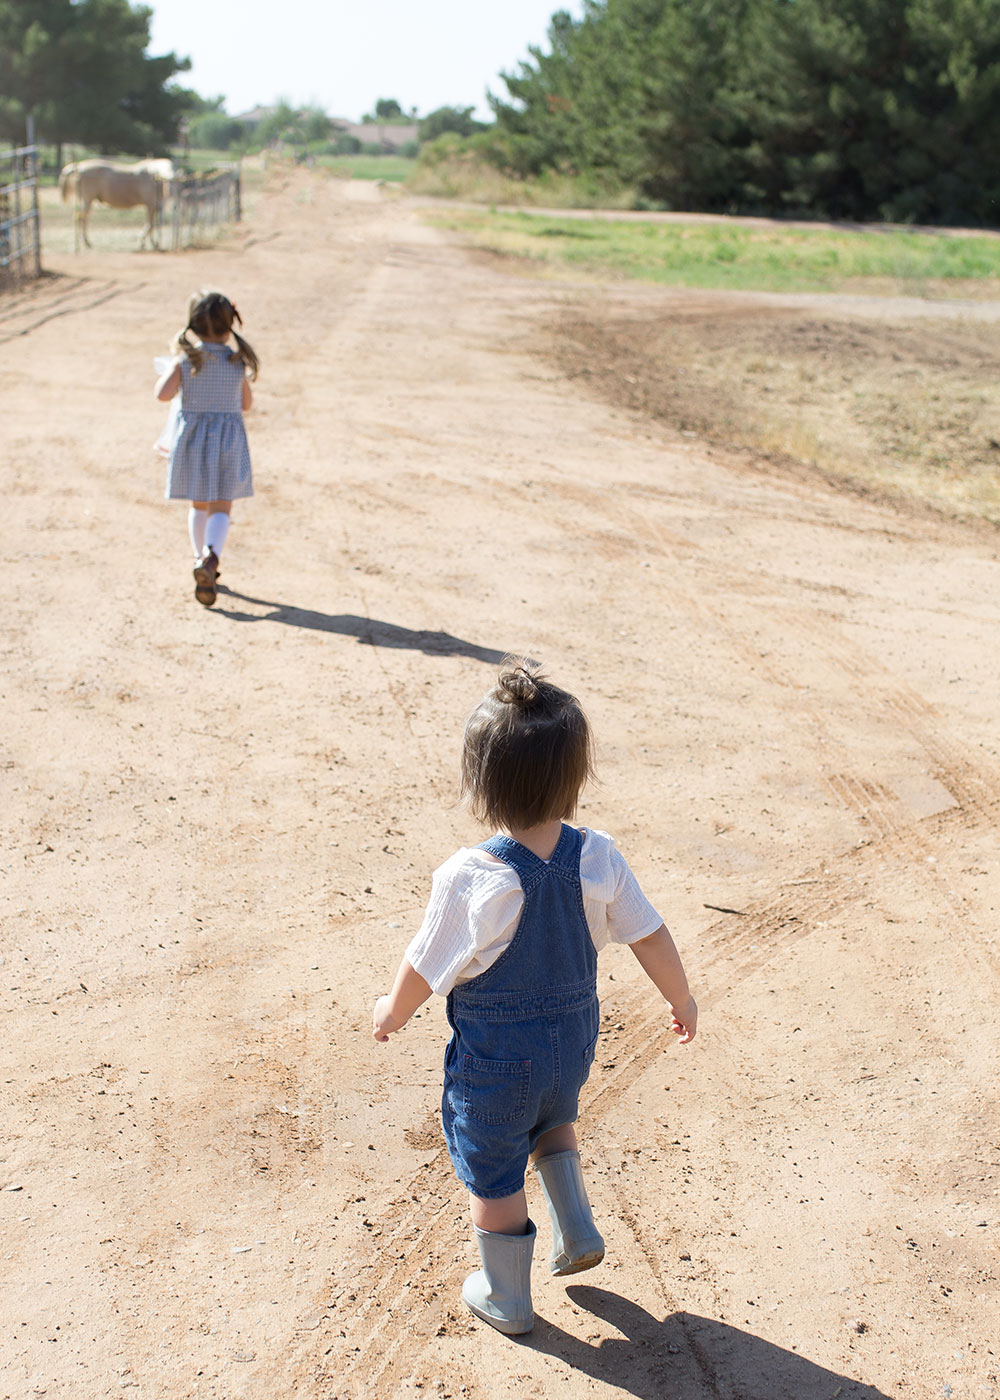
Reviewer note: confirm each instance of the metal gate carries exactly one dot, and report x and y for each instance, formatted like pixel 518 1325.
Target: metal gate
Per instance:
pixel 20 237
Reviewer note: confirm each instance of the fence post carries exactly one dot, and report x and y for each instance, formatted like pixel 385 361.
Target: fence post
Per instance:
pixel 36 221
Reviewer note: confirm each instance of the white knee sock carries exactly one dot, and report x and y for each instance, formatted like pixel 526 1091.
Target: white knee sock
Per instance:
pixel 216 530
pixel 197 520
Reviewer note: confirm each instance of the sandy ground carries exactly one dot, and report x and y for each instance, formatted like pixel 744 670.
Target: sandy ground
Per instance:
pixel 219 828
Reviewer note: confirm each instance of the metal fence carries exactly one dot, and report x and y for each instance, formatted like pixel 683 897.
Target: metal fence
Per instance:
pixel 20 238
pixel 201 202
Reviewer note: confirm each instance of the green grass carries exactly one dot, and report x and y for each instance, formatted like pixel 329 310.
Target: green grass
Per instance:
pixel 392 168
pixel 735 256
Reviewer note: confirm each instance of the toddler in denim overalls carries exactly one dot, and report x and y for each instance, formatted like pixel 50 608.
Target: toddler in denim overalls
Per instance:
pixel 511 937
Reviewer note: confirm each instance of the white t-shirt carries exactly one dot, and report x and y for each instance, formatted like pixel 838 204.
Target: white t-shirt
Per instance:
pixel 476 903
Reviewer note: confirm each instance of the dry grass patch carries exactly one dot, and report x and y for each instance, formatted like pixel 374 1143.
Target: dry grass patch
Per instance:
pixel 901 408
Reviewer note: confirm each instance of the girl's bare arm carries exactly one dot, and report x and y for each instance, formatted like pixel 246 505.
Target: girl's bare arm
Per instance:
pixel 392 1012
pixel 659 959
pixel 168 384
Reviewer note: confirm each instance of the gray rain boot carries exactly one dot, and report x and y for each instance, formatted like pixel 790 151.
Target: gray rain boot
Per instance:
pixel 576 1244
pixel 500 1292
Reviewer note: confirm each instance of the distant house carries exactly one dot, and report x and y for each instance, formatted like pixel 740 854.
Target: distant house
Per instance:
pixel 385 134
pixel 254 117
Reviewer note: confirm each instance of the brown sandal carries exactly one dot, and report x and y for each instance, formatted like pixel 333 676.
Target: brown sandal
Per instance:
pixel 206 571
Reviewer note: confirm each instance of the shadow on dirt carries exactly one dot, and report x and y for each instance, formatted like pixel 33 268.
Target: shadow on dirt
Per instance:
pixel 697 1358
pixel 368 630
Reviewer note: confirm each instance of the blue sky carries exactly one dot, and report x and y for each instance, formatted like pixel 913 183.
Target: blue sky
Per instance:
pixel 343 56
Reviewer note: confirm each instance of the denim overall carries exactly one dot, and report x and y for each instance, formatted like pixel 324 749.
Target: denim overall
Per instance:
pixel 524 1031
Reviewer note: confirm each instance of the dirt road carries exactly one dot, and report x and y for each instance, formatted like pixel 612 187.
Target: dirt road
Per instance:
pixel 219 828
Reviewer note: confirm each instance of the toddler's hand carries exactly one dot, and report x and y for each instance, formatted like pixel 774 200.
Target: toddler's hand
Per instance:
pixel 383 1022
pixel 685 1021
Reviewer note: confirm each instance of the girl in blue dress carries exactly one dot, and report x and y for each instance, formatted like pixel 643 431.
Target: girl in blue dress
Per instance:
pixel 209 460
pixel 511 936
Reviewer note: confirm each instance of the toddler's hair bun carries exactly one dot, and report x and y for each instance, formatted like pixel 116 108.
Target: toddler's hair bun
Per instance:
pixel 517 684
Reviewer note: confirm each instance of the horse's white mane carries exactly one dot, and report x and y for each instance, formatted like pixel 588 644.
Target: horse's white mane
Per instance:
pixel 161 166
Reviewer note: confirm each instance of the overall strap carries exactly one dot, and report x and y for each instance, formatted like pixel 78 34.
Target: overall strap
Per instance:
pixel 529 867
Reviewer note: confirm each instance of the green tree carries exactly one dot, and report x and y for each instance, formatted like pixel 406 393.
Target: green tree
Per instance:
pixel 889 110
pixel 860 109
pixel 282 123
pixel 698 102
pixel 82 71
pixel 315 124
pixel 387 109
pixel 215 131
pixel 442 119
pixel 577 106
pixel 195 105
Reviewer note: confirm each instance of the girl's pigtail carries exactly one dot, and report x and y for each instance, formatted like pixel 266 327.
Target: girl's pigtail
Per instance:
pixel 184 346
pixel 246 353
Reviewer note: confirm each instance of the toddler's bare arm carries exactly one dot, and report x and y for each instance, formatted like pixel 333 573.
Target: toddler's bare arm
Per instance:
pixel 392 1012
pixel 660 960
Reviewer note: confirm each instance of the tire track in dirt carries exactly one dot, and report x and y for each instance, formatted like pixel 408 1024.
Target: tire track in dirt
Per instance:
pixel 672 1305
pixel 973 784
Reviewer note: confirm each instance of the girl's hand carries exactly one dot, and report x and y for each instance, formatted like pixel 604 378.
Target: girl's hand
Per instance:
pixel 685 1020
pixel 392 1012
pixel 383 1021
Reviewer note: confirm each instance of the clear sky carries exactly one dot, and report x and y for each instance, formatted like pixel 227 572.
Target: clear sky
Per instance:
pixel 424 53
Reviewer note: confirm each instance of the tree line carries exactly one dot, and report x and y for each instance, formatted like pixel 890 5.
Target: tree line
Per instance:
pixel 80 69
pixel 849 109
pixel 209 127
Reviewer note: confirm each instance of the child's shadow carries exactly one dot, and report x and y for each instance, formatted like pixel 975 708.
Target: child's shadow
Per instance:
pixel 685 1355
pixel 369 631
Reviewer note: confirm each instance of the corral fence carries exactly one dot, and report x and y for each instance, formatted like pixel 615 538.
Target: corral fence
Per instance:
pixel 202 202
pixel 20 235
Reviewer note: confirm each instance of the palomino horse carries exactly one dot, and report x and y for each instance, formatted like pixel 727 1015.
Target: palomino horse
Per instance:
pixel 120 186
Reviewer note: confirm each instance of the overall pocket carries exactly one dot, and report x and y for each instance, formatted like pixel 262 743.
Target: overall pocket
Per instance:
pixel 495 1091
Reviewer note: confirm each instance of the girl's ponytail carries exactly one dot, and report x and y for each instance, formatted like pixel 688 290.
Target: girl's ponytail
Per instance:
pixel 183 345
pixel 246 353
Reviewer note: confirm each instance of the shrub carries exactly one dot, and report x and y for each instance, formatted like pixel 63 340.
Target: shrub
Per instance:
pixel 214 131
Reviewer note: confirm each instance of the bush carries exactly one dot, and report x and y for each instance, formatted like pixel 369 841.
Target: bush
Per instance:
pixel 343 145
pixel 445 119
pixel 469 168
pixel 214 131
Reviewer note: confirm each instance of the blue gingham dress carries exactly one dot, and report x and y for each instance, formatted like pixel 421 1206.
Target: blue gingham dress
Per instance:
pixel 209 458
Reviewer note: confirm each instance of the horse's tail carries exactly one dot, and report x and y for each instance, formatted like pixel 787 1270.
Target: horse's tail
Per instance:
pixel 67 181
